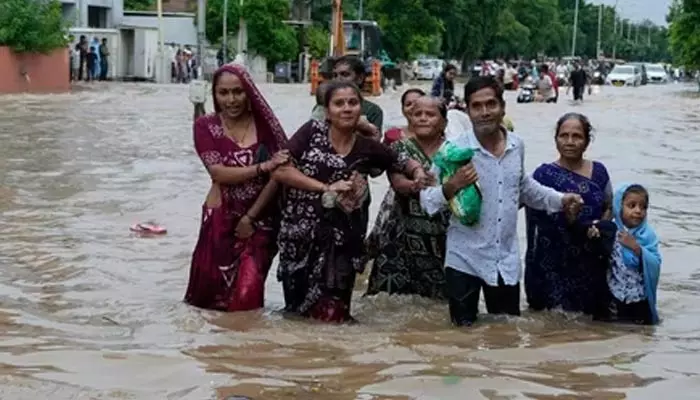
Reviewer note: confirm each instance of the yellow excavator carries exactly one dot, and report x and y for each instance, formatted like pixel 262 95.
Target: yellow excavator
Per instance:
pixel 362 39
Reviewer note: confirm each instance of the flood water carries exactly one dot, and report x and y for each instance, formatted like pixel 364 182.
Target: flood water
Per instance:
pixel 89 311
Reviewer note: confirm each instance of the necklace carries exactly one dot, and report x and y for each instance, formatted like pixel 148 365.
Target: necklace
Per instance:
pixel 234 138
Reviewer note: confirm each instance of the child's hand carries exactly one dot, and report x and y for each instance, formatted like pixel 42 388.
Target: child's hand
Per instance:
pixel 593 232
pixel 628 241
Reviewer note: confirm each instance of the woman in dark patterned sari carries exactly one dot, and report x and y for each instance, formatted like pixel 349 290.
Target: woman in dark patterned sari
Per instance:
pixel 239 144
pixel 324 211
pixel 411 245
pixel 564 268
pixel 385 215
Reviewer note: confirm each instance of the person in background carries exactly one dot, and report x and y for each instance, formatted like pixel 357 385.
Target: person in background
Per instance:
pixel 91 60
pixel 444 84
pixel 509 76
pixel 545 87
pixel 95 47
pixel 82 49
pixel 485 256
pixel 319 111
pixel 351 69
pixel 104 59
pixel 578 79
pixel 555 81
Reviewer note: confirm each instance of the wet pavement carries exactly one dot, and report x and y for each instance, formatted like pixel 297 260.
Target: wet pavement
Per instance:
pixel 90 311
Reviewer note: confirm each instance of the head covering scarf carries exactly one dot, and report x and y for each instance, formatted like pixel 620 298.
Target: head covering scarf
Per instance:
pixel 650 260
pixel 270 131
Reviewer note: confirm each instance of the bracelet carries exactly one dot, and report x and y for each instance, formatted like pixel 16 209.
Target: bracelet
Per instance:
pixel 412 173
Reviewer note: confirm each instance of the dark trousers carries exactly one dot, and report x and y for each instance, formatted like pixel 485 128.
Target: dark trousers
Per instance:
pixel 463 291
pixel 104 68
pixel 578 92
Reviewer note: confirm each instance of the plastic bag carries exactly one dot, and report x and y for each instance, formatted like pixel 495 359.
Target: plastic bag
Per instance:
pixel 466 204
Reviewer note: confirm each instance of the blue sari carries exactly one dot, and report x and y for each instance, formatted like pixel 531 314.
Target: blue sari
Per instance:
pixel 564 268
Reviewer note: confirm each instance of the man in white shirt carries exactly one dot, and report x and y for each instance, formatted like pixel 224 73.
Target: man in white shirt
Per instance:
pixel 509 77
pixel 486 255
pixel 545 87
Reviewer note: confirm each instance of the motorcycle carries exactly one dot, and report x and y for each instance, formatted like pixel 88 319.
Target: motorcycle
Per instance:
pixel 598 78
pixel 526 92
pixel 562 79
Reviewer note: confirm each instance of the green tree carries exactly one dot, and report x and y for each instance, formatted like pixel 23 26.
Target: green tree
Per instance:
pixel 268 36
pixel 684 32
pixel 139 5
pixel 32 25
pixel 409 29
pixel 318 40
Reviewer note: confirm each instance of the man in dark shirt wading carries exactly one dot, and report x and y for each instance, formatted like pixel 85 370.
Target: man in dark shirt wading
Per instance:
pixel 578 80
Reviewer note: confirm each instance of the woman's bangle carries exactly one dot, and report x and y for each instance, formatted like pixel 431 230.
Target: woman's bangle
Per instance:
pixel 412 172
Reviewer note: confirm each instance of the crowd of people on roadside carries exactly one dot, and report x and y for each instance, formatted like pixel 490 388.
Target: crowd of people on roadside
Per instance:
pixel 306 198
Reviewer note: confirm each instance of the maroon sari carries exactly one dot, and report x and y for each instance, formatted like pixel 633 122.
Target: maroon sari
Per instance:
pixel 228 273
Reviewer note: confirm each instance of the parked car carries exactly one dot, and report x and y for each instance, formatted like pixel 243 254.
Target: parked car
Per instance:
pixel 656 73
pixel 642 67
pixel 624 75
pixel 429 69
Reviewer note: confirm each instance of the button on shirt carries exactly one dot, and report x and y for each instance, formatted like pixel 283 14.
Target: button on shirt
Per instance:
pixel 490 247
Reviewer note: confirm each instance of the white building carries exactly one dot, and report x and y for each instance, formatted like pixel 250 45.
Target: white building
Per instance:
pixel 103 14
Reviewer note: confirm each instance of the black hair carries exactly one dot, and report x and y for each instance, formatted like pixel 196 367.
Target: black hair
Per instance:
pixel 636 189
pixel 334 86
pixel 405 94
pixel 442 108
pixel 585 123
pixel 355 64
pixel 483 82
pixel 448 68
pixel 544 68
pixel 321 92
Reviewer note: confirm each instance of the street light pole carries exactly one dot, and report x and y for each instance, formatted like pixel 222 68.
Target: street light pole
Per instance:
pixel 160 67
pixel 225 33
pixel 573 36
pixel 600 23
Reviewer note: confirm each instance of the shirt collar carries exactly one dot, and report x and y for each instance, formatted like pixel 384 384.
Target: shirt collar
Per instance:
pixel 474 143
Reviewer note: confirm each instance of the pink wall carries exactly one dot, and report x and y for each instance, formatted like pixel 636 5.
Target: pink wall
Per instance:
pixel 45 73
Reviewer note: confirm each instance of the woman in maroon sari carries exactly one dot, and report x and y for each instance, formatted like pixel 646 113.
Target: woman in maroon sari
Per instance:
pixel 240 145
pixel 325 213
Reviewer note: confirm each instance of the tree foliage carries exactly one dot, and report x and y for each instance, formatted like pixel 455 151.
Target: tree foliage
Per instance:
pixel 468 30
pixel 32 25
pixel 139 5
pixel 267 34
pixel 684 32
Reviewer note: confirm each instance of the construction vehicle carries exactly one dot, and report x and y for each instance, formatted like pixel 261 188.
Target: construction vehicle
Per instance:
pixel 362 39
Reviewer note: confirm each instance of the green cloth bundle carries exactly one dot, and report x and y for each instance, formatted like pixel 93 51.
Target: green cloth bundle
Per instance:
pixel 466 204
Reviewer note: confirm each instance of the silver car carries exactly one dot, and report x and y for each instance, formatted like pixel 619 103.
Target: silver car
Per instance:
pixel 624 75
pixel 656 73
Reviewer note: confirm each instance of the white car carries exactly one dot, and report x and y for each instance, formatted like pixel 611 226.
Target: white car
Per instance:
pixel 624 75
pixel 429 69
pixel 656 73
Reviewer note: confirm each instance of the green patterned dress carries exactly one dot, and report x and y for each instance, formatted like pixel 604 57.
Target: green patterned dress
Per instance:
pixel 409 246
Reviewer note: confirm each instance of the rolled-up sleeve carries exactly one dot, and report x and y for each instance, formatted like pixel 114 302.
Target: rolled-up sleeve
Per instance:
pixel 432 199
pixel 540 197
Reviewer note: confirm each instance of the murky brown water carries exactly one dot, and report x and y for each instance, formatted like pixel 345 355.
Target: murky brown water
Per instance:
pixel 88 311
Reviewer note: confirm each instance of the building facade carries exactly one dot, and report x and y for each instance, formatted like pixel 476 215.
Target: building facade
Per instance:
pixel 102 14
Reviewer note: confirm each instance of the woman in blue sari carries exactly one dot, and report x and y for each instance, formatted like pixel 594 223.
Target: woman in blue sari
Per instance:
pixel 564 268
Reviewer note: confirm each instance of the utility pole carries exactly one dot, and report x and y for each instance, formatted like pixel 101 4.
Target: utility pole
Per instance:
pixel 160 67
pixel 649 35
pixel 575 30
pixel 636 35
pixel 225 32
pixel 600 24
pixel 359 11
pixel 201 22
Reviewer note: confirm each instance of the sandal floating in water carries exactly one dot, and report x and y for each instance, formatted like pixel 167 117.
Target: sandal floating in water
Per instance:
pixel 149 228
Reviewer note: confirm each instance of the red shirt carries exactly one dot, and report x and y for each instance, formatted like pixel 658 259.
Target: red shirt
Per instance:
pixel 555 81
